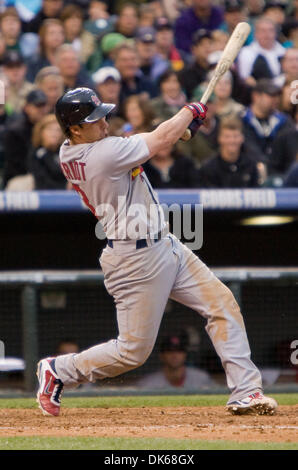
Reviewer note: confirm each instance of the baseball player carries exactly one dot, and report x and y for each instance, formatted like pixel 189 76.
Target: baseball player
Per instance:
pixel 143 264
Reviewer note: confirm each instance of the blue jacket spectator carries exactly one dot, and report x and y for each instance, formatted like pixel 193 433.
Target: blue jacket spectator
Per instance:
pixel 262 122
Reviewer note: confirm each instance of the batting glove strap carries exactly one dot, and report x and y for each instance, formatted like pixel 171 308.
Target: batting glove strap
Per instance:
pixel 198 110
pixel 194 126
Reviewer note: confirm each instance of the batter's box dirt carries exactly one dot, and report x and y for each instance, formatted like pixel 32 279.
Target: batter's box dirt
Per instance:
pixel 170 422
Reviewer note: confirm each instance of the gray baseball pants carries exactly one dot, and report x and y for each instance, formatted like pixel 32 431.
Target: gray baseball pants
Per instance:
pixel 141 282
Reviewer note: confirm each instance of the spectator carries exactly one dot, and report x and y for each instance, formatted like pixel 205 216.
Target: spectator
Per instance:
pixel 255 9
pixel 50 9
pixel 235 166
pixel 128 20
pixel 51 36
pixel 261 59
pixel 69 66
pixel 165 44
pixel 44 161
pixel 204 144
pixel 290 32
pixel 201 15
pixel 152 64
pixel 82 41
pixel 138 113
pixel 289 68
pixel 225 105
pixel 175 373
pixel 275 11
pixel 286 101
pixel 146 16
pixel 285 150
pixel 133 81
pixel 2 48
pixel 170 169
pixel 11 27
pixel 108 85
pixel 172 8
pixel 99 21
pixel 67 346
pixel 18 135
pixel 171 97
pixel 219 40
pixel 50 82
pixel 241 91
pixel 16 87
pixel 108 46
pixel 234 13
pixel 191 76
pixel 262 122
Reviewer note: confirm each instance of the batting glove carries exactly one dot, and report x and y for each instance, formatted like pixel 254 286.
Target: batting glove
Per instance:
pixel 199 110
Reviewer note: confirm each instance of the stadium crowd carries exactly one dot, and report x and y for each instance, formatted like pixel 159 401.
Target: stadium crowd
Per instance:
pixel 150 58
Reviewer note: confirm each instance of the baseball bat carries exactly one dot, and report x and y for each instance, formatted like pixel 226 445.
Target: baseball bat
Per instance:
pixel 229 54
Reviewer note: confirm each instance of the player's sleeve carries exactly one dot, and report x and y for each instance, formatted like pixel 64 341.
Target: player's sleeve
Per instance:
pixel 123 154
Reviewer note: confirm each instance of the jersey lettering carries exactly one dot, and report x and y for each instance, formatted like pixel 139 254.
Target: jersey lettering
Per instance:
pixel 74 170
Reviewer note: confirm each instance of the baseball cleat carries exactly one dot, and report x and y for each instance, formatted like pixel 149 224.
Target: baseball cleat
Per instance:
pixel 50 388
pixel 256 403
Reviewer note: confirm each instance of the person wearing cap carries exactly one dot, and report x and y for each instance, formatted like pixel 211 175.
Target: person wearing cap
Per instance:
pixel 201 15
pixel 261 59
pixel 16 86
pixel 152 64
pixel 108 85
pixel 236 165
pixel 194 74
pixel 17 140
pixel 174 373
pixel 234 13
pixel 165 46
pixel 262 122
pixel 108 45
pixel 133 81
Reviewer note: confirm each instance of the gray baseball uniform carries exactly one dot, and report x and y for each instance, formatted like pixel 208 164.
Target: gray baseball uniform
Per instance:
pixel 142 271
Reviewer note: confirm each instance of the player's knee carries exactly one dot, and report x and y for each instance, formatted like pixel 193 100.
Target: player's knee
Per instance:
pixel 135 354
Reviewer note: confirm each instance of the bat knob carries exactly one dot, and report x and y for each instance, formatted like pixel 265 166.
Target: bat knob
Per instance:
pixel 186 136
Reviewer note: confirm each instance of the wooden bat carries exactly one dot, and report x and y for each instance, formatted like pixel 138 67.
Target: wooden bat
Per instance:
pixel 229 54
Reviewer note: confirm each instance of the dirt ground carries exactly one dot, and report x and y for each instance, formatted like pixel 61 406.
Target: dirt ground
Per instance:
pixel 179 422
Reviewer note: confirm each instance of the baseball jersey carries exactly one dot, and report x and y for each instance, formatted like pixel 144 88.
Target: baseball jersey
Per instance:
pixel 110 179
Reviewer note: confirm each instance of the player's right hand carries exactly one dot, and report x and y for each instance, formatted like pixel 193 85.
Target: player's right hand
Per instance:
pixel 199 110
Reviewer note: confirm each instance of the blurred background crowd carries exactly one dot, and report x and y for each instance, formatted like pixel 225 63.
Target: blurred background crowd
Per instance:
pixel 150 58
